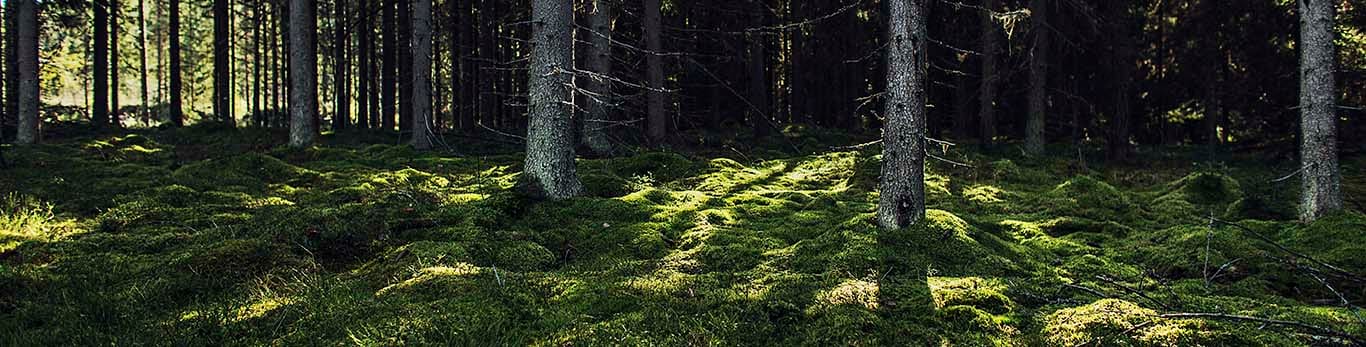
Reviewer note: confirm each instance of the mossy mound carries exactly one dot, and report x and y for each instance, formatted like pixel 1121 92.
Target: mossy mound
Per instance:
pixel 251 172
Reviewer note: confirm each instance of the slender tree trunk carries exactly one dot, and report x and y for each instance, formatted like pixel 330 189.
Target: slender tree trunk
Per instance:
pixel 405 66
pixel 177 114
pixel 222 91
pixel 1321 192
pixel 901 202
pixel 1038 79
pixel 487 77
pixel 389 69
pixel 1122 68
pixel 363 119
pixel 597 111
pixel 1212 104
pixel 114 9
pixel 99 110
pixel 146 113
pixel 303 65
pixel 963 97
pixel 12 59
pixel 656 120
pixel 550 169
pixel 991 46
pixel 422 74
pixel 757 70
pixel 341 117
pixel 27 25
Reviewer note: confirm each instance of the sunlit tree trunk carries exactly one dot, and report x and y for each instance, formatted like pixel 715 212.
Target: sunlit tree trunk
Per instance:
pixel 1321 192
pixel 27 64
pixel 550 169
pixel 902 188
pixel 303 65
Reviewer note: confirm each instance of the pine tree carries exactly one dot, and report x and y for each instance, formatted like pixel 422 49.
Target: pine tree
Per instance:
pixel 902 188
pixel 303 65
pixel 1321 192
pixel 550 169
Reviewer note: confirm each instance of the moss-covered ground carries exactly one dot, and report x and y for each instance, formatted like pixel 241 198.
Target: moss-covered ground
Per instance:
pixel 201 236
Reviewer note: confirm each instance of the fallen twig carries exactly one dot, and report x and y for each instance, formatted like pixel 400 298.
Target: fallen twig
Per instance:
pixel 1331 332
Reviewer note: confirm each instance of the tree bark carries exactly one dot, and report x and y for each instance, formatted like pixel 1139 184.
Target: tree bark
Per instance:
pixel 550 169
pixel 341 117
pixel 1122 70
pixel 146 113
pixel 757 70
pixel 222 83
pixel 486 76
pixel 11 106
pixel 1038 79
pixel 597 111
pixel 1321 180
pixel 99 109
pixel 901 202
pixel 114 9
pixel 363 118
pixel 422 74
pixel 303 65
pixel 27 51
pixel 389 70
pixel 654 80
pixel 991 46
pixel 405 66
pixel 177 114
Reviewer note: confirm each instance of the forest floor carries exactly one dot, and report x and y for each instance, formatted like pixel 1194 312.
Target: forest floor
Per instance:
pixel 200 236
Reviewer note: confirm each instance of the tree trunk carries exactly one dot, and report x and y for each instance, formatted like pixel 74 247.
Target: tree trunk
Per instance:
pixel 991 37
pixel 902 199
pixel 99 109
pixel 1122 70
pixel 757 70
pixel 303 65
pixel 597 113
pixel 27 51
pixel 1321 192
pixel 422 74
pixel 363 81
pixel 341 117
pixel 962 105
pixel 405 66
pixel 654 80
pixel 11 106
pixel 114 8
pixel 146 113
pixel 177 114
pixel 550 169
pixel 1038 79
pixel 388 68
pixel 222 85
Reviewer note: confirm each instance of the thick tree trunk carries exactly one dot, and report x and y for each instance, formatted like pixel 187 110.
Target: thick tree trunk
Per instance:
pixel 99 109
pixel 341 117
pixel 902 188
pixel 597 111
pixel 405 66
pixel 550 169
pixel 177 114
pixel 991 46
pixel 654 74
pixel 27 51
pixel 303 65
pixel 1321 192
pixel 1038 79
pixel 363 118
pixel 388 69
pixel 422 74
pixel 222 83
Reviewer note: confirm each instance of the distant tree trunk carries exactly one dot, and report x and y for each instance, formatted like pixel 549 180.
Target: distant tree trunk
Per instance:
pixel 654 67
pixel 11 105
pixel 257 67
pixel 1038 79
pixel 962 105
pixel 99 109
pixel 177 114
pixel 422 74
pixel 222 84
pixel 757 70
pixel 1321 192
pixel 1212 104
pixel 341 117
pixel 389 70
pixel 27 52
pixel 486 76
pixel 405 66
pixel 1122 69
pixel 597 111
pixel 550 169
pixel 303 65
pixel 986 110
pixel 902 198
pixel 114 9
pixel 363 119
pixel 146 113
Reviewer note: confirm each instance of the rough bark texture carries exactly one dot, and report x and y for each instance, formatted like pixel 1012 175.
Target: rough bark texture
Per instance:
pixel 222 83
pixel 99 109
pixel 550 169
pixel 422 74
pixel 597 111
pixel 388 69
pixel 1038 78
pixel 27 51
pixel 177 114
pixel 303 65
pixel 902 187
pixel 1322 182
pixel 991 46
pixel 654 74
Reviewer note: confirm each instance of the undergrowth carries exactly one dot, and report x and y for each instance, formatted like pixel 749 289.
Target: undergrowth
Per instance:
pixel 206 236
